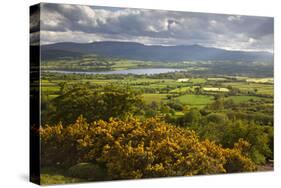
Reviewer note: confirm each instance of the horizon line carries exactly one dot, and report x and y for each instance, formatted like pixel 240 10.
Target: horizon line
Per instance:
pixel 163 45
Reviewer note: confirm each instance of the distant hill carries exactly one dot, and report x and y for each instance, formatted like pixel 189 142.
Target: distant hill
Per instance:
pixel 137 51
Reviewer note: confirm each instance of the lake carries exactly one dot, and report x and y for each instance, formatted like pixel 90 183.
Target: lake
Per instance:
pixel 142 71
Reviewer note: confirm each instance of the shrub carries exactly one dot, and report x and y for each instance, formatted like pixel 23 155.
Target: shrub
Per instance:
pixel 236 158
pixel 87 171
pixel 218 118
pixel 137 149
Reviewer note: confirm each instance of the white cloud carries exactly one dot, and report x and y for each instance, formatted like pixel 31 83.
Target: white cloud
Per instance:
pixel 152 28
pixel 213 22
pixel 51 19
pixel 251 40
pixel 234 18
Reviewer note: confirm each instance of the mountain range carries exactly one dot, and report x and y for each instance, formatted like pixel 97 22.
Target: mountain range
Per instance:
pixel 138 51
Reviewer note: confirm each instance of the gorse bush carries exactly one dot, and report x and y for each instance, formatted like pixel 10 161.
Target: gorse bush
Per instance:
pixel 138 149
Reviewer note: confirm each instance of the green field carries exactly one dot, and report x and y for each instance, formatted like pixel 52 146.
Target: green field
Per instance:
pixel 182 89
pixel 148 98
pixel 171 86
pixel 198 80
pixel 196 100
pixel 216 79
pixel 50 89
pixel 259 88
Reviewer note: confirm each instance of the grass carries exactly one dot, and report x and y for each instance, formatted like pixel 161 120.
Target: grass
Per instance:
pixel 250 87
pixel 44 81
pixel 148 98
pixel 260 80
pixel 216 79
pixel 52 96
pixel 124 65
pixel 216 89
pixel 179 113
pixel 50 89
pixel 198 101
pixel 183 89
pixel 51 176
pixel 198 80
pixel 48 179
pixel 195 100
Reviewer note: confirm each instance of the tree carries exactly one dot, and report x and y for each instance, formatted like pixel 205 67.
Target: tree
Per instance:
pixel 218 104
pixel 233 91
pixel 95 103
pixel 227 133
pixel 176 105
pixel 62 86
pixel 165 109
pixel 191 118
pixel 218 118
pixel 197 90
pixel 154 105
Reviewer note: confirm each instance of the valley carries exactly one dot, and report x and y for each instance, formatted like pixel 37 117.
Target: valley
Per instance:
pixel 225 101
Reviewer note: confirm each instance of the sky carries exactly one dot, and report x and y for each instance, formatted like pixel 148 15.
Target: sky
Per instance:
pixel 85 24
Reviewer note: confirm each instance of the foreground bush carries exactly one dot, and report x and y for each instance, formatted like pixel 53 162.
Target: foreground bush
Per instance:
pixel 137 149
pixel 86 171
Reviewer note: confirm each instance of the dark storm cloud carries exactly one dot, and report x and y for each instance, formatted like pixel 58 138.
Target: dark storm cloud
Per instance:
pixel 86 24
pixel 34 22
pixel 34 25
